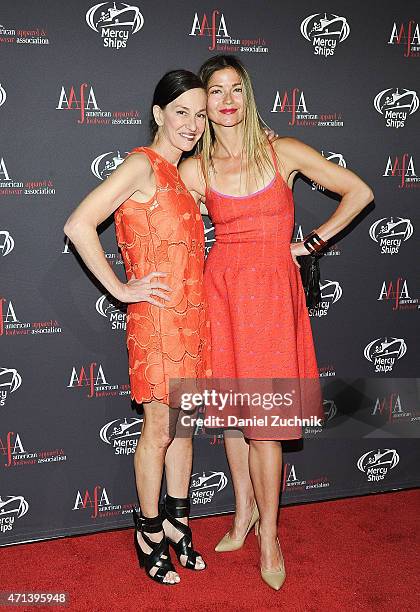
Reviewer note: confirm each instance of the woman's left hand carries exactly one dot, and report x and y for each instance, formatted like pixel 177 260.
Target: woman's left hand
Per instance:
pixel 296 249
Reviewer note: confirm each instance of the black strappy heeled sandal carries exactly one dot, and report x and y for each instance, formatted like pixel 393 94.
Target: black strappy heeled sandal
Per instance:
pixel 175 508
pixel 159 556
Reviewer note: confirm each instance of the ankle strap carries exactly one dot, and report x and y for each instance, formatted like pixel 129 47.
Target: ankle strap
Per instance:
pixel 146 523
pixel 179 507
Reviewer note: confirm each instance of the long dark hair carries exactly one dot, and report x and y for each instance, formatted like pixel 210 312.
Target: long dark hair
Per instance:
pixel 170 86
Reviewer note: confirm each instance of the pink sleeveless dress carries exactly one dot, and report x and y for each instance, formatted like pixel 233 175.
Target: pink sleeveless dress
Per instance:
pixel 260 326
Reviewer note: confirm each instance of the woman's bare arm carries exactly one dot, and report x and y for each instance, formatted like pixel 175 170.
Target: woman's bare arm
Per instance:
pixel 192 177
pixel 356 194
pixel 135 175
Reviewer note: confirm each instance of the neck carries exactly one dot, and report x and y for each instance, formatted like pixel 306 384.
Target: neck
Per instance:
pixel 166 149
pixel 229 140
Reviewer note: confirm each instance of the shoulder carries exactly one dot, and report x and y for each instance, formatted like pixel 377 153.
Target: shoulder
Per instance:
pixel 294 153
pixel 192 175
pixel 138 162
pixel 288 146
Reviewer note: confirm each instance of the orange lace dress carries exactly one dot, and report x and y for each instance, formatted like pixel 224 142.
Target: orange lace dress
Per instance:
pixel 165 234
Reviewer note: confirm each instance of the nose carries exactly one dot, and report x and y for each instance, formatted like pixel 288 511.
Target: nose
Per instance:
pixel 227 98
pixel 192 123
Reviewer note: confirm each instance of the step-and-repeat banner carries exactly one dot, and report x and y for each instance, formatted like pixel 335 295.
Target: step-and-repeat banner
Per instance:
pixel 76 81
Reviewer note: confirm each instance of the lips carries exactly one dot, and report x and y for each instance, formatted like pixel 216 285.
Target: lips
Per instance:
pixel 228 111
pixel 189 137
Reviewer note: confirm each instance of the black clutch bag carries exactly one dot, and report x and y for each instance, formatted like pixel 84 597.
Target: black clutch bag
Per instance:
pixel 311 278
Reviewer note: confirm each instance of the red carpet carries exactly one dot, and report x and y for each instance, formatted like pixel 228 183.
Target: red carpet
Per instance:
pixel 353 554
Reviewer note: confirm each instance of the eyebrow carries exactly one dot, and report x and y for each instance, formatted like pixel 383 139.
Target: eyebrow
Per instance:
pixel 186 108
pixel 217 85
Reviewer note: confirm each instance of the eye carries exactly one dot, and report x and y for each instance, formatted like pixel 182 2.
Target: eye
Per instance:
pixel 181 112
pixel 214 91
pixel 238 89
pixel 201 115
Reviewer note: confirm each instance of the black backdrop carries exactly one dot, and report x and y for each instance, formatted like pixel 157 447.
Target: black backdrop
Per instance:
pixel 76 83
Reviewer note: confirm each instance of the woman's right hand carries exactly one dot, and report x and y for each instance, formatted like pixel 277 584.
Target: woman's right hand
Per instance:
pixel 145 289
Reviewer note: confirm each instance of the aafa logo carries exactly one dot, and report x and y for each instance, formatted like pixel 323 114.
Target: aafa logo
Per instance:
pixel 115 23
pixel 294 102
pixel 92 377
pixel 105 164
pixel 291 102
pixel 397 294
pixel 403 167
pixel 83 103
pixel 383 352
pixel 293 483
pixel 3 171
pixel 17 187
pixel 215 27
pixel 325 32
pixel 11 447
pixel 98 500
pixel 377 463
pixel 396 105
pixel 10 325
pixel 390 408
pixel 407 35
pixel 6 243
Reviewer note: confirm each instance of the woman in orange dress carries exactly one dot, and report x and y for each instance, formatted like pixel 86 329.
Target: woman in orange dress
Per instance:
pixel 259 322
pixel 160 232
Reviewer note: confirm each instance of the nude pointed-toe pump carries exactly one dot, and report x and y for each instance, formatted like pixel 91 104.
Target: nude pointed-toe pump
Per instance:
pixel 228 544
pixel 274 578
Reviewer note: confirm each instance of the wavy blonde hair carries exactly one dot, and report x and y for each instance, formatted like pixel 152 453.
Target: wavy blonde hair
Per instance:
pixel 254 137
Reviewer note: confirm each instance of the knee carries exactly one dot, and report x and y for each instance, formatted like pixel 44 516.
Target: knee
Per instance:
pixel 156 436
pixel 264 445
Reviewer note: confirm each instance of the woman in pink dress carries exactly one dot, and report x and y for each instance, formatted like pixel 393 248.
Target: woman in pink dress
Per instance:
pixel 259 322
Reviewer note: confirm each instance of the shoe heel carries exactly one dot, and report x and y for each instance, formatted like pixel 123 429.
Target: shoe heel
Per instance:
pixel 140 553
pixel 257 528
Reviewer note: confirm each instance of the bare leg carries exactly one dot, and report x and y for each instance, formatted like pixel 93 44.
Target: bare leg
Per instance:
pixel 178 465
pixel 237 452
pixel 265 461
pixel 149 460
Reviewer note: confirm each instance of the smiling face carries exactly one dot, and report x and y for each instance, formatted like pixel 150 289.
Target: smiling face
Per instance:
pixel 183 120
pixel 225 99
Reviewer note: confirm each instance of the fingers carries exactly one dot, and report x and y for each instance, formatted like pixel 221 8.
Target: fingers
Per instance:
pixel 160 286
pixel 148 285
pixel 160 294
pixel 149 277
pixel 154 302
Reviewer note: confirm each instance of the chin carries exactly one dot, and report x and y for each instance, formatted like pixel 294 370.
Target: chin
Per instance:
pixel 227 120
pixel 189 146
